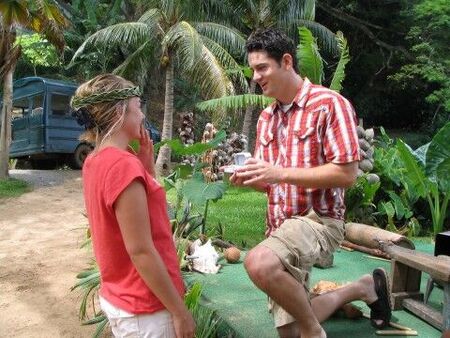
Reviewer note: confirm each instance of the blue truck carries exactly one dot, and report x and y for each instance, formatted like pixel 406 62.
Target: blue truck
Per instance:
pixel 44 132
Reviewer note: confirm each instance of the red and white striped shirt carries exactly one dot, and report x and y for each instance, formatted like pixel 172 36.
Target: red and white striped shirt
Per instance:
pixel 320 127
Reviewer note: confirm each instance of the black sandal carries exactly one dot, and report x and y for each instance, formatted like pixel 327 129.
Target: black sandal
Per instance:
pixel 381 308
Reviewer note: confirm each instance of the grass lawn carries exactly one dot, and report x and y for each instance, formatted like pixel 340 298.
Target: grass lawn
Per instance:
pixel 241 212
pixel 13 188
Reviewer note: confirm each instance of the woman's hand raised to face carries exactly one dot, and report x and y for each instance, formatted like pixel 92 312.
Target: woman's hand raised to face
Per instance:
pixel 146 151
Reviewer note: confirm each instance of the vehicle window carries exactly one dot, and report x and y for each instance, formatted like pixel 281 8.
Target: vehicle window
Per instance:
pixel 60 105
pixel 21 108
pixel 37 104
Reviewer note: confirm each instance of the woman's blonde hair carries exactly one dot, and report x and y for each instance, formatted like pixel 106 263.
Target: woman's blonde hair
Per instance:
pixel 106 116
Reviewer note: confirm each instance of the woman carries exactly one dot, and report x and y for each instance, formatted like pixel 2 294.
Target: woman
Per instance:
pixel 141 288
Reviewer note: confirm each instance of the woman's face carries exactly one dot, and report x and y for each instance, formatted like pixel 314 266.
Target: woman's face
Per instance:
pixel 134 118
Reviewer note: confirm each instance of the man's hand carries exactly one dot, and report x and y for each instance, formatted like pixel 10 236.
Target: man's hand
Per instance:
pixel 146 152
pixel 184 325
pixel 257 174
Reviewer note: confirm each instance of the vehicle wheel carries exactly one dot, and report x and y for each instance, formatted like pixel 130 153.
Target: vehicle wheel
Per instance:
pixel 80 155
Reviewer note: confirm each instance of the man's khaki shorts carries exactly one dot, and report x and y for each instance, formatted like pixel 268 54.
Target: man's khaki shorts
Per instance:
pixel 299 243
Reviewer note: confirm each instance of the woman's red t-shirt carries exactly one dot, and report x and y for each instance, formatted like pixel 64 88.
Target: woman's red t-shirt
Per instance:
pixel 105 176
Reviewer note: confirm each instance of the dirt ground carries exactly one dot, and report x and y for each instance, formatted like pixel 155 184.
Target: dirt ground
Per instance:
pixel 40 237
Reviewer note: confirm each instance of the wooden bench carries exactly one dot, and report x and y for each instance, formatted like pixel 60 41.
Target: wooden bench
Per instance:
pixel 406 270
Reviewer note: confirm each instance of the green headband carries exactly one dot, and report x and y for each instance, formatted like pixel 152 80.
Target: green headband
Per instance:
pixel 113 95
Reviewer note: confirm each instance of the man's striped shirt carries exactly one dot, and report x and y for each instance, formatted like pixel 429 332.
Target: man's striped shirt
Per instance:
pixel 319 127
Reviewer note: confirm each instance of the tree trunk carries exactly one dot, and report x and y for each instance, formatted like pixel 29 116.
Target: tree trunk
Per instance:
pixel 163 161
pixel 5 129
pixel 249 112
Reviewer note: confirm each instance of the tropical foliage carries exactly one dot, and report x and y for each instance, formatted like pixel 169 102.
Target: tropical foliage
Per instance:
pixel 191 185
pixel 411 177
pixel 38 51
pixel 169 31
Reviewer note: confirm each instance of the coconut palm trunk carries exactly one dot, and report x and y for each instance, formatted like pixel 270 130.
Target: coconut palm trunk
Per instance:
pixel 163 162
pixel 249 112
pixel 5 132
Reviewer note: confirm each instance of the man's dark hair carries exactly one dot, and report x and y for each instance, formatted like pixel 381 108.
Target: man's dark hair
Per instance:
pixel 274 42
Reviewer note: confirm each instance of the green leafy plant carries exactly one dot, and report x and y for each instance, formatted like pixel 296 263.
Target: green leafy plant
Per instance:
pixel 191 185
pixel 359 200
pixel 432 181
pixel 205 318
pixel 414 175
pixel 38 51
pixel 89 284
pixel 400 209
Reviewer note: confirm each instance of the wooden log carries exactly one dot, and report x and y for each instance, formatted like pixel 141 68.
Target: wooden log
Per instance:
pixel 370 251
pixel 368 236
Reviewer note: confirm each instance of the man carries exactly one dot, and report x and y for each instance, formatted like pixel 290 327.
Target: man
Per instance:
pixel 306 153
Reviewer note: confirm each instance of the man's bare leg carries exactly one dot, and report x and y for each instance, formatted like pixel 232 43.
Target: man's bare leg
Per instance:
pixel 327 304
pixel 268 273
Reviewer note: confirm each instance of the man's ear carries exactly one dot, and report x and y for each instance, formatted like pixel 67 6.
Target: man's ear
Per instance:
pixel 287 61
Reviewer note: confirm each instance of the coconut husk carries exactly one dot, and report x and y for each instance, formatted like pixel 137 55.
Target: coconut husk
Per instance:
pixel 368 236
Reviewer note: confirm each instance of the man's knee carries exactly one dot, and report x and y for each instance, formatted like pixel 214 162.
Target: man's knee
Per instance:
pixel 261 264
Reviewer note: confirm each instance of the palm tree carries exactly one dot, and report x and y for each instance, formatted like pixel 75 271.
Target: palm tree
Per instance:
pixel 166 33
pixel 41 16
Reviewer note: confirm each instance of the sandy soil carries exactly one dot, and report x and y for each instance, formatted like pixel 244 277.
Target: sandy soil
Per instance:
pixel 40 237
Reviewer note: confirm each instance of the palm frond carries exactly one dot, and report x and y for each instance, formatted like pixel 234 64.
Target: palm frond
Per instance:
pixel 290 12
pixel 310 61
pixel 91 6
pixel 136 65
pixel 100 328
pixel 209 10
pixel 325 37
pixel 152 18
pixel 339 73
pixel 126 34
pixel 53 23
pixel 233 69
pixel 168 7
pixel 229 38
pixel 183 40
pixel 14 11
pixel 209 74
pixel 49 10
pixel 235 103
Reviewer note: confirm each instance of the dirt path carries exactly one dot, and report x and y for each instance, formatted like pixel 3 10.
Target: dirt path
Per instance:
pixel 40 236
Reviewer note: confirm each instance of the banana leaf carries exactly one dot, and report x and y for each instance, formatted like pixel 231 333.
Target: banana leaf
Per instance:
pixel 339 73
pixel 437 158
pixel 309 60
pixel 413 171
